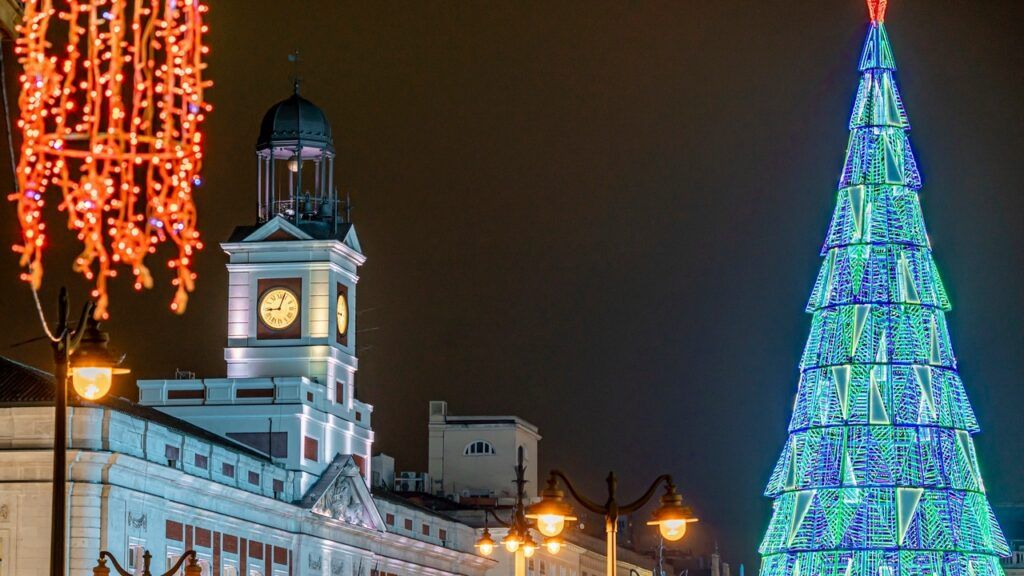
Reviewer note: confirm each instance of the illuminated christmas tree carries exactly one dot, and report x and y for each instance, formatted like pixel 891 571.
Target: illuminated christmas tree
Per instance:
pixel 879 475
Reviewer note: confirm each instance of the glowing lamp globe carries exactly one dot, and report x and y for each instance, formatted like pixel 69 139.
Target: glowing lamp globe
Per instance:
pixel 111 106
pixel 671 517
pixel 550 524
pixel 529 547
pixel 554 544
pixel 92 382
pixel 551 512
pixel 672 530
pixel 485 544
pixel 512 541
pixel 92 366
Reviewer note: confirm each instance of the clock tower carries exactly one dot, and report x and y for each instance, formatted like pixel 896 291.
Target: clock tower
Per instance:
pixel 291 333
pixel 293 275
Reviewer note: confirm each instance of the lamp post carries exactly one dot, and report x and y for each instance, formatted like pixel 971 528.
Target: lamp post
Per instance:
pixel 671 517
pixel 517 539
pixel 193 568
pixel 83 351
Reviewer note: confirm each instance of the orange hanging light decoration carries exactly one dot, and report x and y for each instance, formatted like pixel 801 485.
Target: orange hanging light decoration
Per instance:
pixel 111 109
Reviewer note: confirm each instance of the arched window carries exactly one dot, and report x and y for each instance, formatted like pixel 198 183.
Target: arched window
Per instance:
pixel 479 448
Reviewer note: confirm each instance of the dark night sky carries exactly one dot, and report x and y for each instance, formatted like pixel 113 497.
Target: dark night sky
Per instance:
pixel 605 217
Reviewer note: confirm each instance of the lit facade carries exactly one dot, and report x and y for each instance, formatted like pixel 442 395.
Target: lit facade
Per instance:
pixel 141 480
pixel 472 457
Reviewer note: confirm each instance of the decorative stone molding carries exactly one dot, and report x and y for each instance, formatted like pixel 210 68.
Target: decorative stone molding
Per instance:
pixel 137 522
pixel 315 563
pixel 341 502
pixel 5 513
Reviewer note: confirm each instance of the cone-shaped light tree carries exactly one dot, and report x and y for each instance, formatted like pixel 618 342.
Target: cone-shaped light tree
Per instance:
pixel 879 475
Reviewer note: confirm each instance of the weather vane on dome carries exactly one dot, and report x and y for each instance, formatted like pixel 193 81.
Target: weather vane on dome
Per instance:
pixel 296 79
pixel 877 10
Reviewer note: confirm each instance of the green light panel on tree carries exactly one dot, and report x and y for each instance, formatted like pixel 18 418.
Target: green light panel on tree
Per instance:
pixel 879 476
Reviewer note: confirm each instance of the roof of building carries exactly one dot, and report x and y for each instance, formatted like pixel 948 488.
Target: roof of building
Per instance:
pixel 489 421
pixel 316 229
pixel 425 503
pixel 294 119
pixel 23 385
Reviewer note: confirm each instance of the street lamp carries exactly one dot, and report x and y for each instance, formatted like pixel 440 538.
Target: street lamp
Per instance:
pixel 485 544
pixel 517 539
pixel 552 511
pixel 83 350
pixel 193 568
pixel 92 366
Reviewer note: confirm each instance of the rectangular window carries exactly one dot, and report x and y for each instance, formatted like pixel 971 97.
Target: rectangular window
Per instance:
pixel 254 478
pixel 442 534
pixel 390 519
pixel 426 529
pixel 202 461
pixel 408 524
pixel 359 416
pixel 339 392
pixel 203 537
pixel 309 397
pixel 198 394
pixel 310 449
pixel 227 470
pixel 254 393
pixel 172 453
pixel 278 486
pixel 135 551
pixel 174 531
pixel 230 544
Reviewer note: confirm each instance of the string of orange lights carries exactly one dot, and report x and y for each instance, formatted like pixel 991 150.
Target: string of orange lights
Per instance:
pixel 111 106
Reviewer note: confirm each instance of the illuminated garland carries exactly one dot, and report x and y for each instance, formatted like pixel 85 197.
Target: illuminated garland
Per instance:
pixel 879 475
pixel 111 109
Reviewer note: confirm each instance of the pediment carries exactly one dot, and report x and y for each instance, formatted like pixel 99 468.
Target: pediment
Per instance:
pixel 277 229
pixel 351 240
pixel 341 494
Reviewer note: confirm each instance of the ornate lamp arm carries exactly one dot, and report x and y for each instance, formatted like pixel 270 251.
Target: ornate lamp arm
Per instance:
pixel 641 501
pixel 101 566
pixel 102 570
pixel 191 555
pixel 497 518
pixel 586 502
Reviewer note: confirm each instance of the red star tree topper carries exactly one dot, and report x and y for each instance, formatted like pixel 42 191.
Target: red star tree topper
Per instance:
pixel 877 9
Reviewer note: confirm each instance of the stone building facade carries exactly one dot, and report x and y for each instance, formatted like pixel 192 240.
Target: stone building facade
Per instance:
pixel 139 480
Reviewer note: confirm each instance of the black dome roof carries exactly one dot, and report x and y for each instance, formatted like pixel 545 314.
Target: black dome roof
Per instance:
pixel 292 120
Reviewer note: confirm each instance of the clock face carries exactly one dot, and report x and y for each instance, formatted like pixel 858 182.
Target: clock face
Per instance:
pixel 342 312
pixel 279 308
